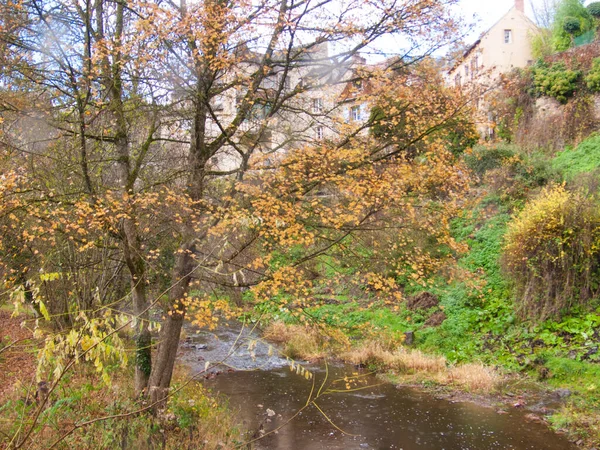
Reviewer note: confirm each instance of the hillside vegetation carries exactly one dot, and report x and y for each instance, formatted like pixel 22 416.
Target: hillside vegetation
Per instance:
pixel 523 298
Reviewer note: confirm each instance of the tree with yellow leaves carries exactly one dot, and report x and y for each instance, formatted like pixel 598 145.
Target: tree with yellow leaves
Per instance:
pixel 168 150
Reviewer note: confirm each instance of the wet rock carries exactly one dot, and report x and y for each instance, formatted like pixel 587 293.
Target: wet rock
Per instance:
pixel 201 346
pixel 424 300
pixel 519 404
pixel 436 319
pixel 541 409
pixel 533 418
pixel 562 393
pixel 591 352
pixel 501 411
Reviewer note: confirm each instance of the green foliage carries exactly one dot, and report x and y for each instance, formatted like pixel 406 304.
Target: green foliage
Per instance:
pixel 570 19
pixel 509 173
pixel 594 9
pixel 569 369
pixel 571 25
pixel 555 81
pixel 552 253
pixel 585 38
pixel 592 79
pixel 484 158
pixel 461 136
pixel 584 158
pixel 541 44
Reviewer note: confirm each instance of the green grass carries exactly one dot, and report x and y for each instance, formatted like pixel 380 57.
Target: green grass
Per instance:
pixel 582 159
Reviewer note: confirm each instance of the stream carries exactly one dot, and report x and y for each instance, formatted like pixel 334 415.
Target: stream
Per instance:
pixel 265 394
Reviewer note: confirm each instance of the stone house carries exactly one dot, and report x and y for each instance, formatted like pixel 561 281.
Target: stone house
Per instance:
pixel 502 48
pixel 505 46
pixel 315 83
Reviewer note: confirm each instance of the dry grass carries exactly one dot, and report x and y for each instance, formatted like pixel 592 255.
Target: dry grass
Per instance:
pixel 298 341
pixel 414 365
pixel 402 359
pixel 474 377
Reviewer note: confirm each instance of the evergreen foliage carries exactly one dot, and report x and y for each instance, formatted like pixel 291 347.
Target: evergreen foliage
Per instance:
pixel 571 25
pixel 564 27
pixel 555 81
pixel 594 9
pixel 592 79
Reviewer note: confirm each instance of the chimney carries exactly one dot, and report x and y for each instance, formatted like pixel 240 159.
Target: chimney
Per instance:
pixel 520 5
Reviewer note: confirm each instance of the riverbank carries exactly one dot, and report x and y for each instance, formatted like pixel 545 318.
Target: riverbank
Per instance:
pixel 492 387
pixel 294 403
pixel 113 415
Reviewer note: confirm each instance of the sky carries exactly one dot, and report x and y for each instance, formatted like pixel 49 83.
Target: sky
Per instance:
pixel 480 14
pixel 487 12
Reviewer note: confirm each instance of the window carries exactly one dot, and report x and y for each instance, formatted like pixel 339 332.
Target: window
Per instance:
pixel 317 105
pixel 466 71
pixel 319 133
pixel 475 64
pixel 357 85
pixel 508 36
pixel 457 80
pixel 355 113
pixel 260 111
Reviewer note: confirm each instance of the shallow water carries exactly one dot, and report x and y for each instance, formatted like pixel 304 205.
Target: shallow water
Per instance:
pixel 267 394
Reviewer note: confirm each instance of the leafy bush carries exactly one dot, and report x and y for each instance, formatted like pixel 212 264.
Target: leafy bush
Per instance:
pixel 570 19
pixel 594 9
pixel 508 173
pixel 584 158
pixel 552 252
pixel 541 44
pixel 555 81
pixel 571 25
pixel 592 79
pixel 483 158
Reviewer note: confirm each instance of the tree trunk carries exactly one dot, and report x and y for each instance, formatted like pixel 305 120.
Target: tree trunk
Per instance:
pixel 132 248
pixel 143 338
pixel 164 361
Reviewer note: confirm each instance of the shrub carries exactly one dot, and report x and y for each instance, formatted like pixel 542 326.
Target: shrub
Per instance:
pixel 555 81
pixel 594 9
pixel 592 79
pixel 564 25
pixel 483 158
pixel 552 252
pixel 571 25
pixel 541 44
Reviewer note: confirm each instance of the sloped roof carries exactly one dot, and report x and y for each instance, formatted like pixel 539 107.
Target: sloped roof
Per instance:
pixel 482 35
